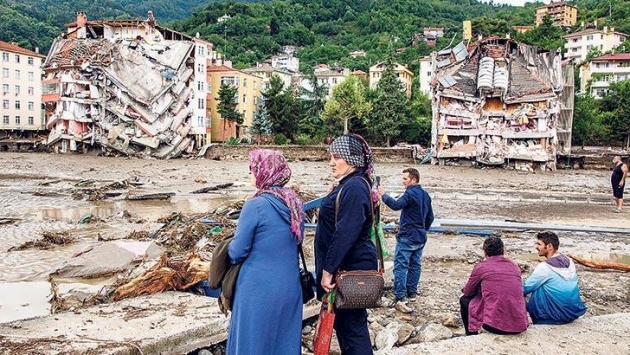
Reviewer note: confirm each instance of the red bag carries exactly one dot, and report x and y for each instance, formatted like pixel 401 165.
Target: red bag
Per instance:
pixel 324 328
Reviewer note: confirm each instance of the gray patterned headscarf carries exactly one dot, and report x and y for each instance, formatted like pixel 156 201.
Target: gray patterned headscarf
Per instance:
pixel 354 150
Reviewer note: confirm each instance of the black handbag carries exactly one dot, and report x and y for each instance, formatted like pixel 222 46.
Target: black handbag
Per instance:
pixel 307 282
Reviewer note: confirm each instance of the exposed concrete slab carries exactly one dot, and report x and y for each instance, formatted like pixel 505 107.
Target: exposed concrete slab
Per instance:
pixel 607 334
pixel 165 323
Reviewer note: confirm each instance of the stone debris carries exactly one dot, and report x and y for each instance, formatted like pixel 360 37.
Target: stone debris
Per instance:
pixel 500 102
pixel 48 241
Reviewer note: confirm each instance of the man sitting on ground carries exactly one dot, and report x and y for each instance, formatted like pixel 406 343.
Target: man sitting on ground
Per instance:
pixel 555 294
pixel 493 296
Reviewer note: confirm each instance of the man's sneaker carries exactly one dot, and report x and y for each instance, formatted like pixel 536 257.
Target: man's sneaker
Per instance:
pixel 401 306
pixel 413 298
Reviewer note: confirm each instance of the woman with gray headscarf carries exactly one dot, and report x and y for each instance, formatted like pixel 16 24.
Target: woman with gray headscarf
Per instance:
pixel 342 239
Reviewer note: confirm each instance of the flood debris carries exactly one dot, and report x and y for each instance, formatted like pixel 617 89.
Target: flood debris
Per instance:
pixel 48 241
pixel 500 102
pixel 213 188
pixel 600 264
pixel 131 95
pixel 154 196
pixel 9 220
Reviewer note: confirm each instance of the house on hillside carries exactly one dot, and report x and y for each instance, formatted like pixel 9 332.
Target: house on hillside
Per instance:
pixel 500 102
pixel 580 43
pixel 21 82
pixel 602 71
pixel 326 76
pixel 405 76
pixel 129 86
pixel 561 13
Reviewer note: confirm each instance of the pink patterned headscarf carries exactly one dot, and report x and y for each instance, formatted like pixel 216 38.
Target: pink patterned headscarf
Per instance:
pixel 272 172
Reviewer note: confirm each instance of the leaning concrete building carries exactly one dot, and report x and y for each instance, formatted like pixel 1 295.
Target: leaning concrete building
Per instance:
pixel 126 86
pixel 499 102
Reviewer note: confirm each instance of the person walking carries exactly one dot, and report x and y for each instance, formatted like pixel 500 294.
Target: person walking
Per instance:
pixel 342 238
pixel 618 182
pixel 268 290
pixel 415 219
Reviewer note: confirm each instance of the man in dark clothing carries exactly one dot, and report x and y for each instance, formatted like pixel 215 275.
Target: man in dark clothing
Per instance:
pixel 415 219
pixel 618 182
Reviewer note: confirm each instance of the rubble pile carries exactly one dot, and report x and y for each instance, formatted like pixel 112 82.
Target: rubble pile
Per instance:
pixel 499 102
pixel 126 96
pixel 48 241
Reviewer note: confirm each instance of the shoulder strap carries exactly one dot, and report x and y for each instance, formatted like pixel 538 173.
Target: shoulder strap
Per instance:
pixel 379 247
pixel 302 255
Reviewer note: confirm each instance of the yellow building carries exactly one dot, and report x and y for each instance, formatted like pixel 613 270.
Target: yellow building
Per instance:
pixel 561 13
pixel 405 76
pixel 21 82
pixel 248 85
pixel 522 29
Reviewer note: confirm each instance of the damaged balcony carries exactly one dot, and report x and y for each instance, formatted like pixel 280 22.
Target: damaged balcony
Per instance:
pixel 498 102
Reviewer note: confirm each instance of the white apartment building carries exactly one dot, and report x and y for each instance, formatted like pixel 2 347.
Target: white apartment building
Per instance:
pixel 603 70
pixel 266 71
pixel 326 76
pixel 426 74
pixel 286 61
pixel 201 88
pixel 579 44
pixel 21 82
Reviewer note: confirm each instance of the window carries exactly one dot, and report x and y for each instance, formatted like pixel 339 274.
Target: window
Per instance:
pixel 17 73
pixel 5 119
pixel 5 72
pixel 17 90
pixel 31 120
pixel 31 76
pixel 5 104
pixel 200 68
pixel 589 37
pixel 17 120
pixel 30 60
pixel 334 80
pixel 230 80
pixel 5 58
pixel 31 106
pixel 588 47
pixel 575 40
pixel 5 88
pixel 17 58
pixel 201 102
pixel 17 104
pixel 244 98
pixel 200 85
pixel 31 91
pixel 244 82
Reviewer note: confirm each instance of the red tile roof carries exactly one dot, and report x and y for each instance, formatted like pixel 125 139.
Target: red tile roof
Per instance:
pixel 618 56
pixel 220 68
pixel 14 48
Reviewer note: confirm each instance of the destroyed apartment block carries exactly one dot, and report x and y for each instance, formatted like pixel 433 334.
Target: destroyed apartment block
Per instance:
pixel 500 102
pixel 129 96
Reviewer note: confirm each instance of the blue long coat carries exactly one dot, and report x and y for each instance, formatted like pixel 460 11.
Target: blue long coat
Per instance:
pixel 267 306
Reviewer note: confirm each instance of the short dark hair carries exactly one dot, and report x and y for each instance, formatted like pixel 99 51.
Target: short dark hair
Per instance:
pixel 549 237
pixel 413 173
pixel 493 246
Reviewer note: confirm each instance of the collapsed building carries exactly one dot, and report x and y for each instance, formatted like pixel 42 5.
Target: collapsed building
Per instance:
pixel 126 86
pixel 500 102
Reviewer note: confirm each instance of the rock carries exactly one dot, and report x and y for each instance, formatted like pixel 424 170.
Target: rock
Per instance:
pixel 404 333
pixel 451 321
pixel 307 330
pixel 384 321
pixel 387 338
pixel 432 332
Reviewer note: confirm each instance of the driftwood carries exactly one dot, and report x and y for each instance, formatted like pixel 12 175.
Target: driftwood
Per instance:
pixel 213 188
pixel 166 275
pixel 156 196
pixel 599 265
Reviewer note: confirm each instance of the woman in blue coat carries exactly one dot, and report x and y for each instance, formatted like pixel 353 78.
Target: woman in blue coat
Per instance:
pixel 267 305
pixel 342 239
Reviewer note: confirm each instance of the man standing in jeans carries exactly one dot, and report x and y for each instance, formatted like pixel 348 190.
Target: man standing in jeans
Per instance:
pixel 415 219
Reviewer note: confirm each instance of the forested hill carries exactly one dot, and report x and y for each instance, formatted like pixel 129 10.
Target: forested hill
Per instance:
pixel 325 30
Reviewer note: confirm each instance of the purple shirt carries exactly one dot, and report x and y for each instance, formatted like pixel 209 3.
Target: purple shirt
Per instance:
pixel 498 289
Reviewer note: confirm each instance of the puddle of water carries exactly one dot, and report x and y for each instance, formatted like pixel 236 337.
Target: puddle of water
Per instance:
pixel 22 300
pixel 149 209
pixel 607 258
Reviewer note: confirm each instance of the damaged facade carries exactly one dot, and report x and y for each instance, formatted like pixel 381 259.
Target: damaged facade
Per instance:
pixel 499 102
pixel 129 86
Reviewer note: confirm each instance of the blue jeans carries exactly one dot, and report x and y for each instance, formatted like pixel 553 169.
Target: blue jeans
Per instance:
pixel 407 267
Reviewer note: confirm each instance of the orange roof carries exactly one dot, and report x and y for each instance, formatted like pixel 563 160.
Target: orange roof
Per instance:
pixel 220 68
pixel 14 48
pixel 618 56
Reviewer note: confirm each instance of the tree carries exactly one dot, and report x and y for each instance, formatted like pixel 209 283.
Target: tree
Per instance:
pixel 312 104
pixel 390 105
pixel 228 100
pixel 260 124
pixel 617 103
pixel 274 102
pixel 588 124
pixel 347 103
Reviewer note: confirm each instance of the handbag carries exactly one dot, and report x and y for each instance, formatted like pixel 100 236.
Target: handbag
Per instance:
pixel 325 325
pixel 307 281
pixel 360 288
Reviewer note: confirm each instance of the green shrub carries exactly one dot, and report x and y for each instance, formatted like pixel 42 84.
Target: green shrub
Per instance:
pixel 281 139
pixel 303 139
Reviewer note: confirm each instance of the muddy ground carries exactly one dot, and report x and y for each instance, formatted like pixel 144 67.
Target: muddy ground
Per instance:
pixel 46 192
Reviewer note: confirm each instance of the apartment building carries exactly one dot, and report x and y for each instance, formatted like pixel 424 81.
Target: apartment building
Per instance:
pixel 249 88
pixel 426 75
pixel 266 71
pixel 602 71
pixel 286 62
pixel 405 76
pixel 579 44
pixel 326 76
pixel 21 82
pixel 561 13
